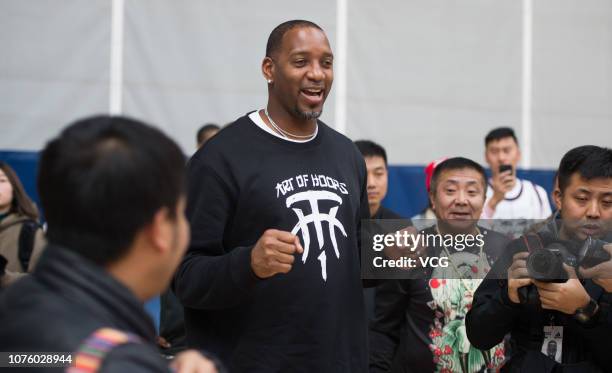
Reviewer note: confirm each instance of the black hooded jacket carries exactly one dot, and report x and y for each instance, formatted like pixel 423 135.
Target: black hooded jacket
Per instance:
pixel 65 300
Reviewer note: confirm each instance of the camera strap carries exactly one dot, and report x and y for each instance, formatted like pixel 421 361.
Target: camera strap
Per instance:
pixel 532 242
pixel 538 330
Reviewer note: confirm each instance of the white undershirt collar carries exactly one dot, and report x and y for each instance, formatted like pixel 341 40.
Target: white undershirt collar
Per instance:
pixel 256 118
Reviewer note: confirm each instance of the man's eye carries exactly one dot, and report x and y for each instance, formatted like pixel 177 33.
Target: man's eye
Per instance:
pixel 328 63
pixel 299 63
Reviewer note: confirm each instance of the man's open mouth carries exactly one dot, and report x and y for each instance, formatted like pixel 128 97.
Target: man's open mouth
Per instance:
pixel 313 96
pixel 313 92
pixel 460 215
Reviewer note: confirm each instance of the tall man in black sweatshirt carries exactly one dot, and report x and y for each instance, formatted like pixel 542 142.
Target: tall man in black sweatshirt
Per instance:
pixel 271 280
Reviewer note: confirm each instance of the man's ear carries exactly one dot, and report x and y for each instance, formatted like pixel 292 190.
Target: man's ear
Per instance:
pixel 267 69
pixel 486 155
pixel 432 200
pixel 160 230
pixel 557 198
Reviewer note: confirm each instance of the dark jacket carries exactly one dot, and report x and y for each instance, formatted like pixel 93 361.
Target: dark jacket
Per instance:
pixel 586 347
pixel 64 301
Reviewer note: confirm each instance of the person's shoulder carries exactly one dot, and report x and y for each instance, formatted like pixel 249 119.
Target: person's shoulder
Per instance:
pixel 541 191
pixel 336 136
pixel 538 188
pixel 134 357
pixel 225 142
pixel 231 132
pixel 13 219
pixel 28 307
pixel 341 144
pixel 493 235
pixel 386 213
pixel 495 242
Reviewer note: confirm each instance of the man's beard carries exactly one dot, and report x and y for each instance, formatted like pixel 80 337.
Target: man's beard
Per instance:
pixel 307 115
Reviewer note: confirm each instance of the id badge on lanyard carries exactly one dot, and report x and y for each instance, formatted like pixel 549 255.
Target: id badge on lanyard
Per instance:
pixel 553 342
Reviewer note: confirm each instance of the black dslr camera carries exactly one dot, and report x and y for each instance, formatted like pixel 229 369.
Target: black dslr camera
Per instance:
pixel 546 264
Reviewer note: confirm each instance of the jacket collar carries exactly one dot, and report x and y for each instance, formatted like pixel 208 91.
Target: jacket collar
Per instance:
pixel 86 284
pixel 12 219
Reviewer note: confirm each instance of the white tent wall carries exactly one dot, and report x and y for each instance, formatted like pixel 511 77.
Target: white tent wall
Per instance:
pixel 572 77
pixel 54 67
pixel 191 62
pixel 429 78
pixel 424 78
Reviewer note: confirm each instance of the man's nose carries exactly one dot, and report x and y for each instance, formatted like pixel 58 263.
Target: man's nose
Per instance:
pixel 461 198
pixel 316 72
pixel 370 182
pixel 593 210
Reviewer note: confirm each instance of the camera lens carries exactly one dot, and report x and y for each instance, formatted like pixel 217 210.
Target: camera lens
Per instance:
pixel 540 262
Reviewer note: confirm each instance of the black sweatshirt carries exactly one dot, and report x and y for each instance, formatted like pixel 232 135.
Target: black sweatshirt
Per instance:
pixel 241 183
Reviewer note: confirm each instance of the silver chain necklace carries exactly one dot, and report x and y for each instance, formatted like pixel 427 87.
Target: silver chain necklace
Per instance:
pixel 287 133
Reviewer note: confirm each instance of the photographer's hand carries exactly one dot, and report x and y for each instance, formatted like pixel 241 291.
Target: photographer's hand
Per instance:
pixel 518 275
pixel 565 297
pixel 601 273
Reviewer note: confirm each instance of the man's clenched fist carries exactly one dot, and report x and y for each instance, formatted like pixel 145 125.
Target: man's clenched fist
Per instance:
pixel 274 253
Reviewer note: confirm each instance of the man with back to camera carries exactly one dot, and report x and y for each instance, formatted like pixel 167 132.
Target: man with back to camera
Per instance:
pixel 112 190
pixel 419 322
pixel 508 197
pixel 574 312
pixel 271 281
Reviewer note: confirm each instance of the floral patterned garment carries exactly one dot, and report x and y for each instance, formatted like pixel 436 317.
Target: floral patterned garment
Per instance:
pixel 452 299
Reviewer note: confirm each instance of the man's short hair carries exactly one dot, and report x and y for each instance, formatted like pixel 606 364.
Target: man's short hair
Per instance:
pixel 589 161
pixel 276 36
pixel 205 128
pixel 457 163
pixel 500 133
pixel 103 179
pixel 371 149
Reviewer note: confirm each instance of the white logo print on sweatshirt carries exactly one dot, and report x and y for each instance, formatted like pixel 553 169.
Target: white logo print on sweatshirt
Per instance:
pixel 320 220
pixel 317 218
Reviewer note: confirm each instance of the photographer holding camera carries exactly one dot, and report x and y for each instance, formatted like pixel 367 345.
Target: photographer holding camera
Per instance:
pixel 551 288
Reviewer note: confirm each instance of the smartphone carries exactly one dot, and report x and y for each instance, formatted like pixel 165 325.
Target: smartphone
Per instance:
pixel 505 167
